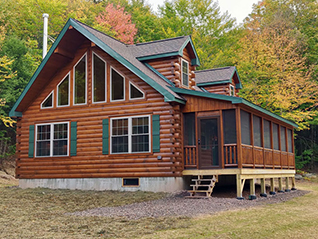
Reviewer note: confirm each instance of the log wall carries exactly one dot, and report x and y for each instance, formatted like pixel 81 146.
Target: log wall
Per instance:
pixel 89 161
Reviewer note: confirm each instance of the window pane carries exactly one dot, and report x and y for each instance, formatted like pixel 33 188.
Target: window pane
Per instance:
pixel 290 140
pixel 48 103
pixel 140 143
pixel 80 82
pixel 59 147
pixel 189 129
pixel 185 72
pixel 60 131
pixel 275 137
pixel 283 138
pixel 43 148
pixel 135 93
pixel 63 91
pixel 117 86
pixel 99 80
pixel 120 144
pixel 267 134
pixel 140 125
pixel 229 126
pixel 257 136
pixel 120 127
pixel 43 132
pixel 246 127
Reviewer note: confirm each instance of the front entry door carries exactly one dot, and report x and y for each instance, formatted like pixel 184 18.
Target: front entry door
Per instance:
pixel 208 142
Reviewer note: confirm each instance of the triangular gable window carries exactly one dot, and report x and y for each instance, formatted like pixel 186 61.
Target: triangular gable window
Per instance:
pixel 134 92
pixel 48 102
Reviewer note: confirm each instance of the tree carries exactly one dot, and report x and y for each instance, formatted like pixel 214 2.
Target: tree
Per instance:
pixel 273 68
pixel 115 22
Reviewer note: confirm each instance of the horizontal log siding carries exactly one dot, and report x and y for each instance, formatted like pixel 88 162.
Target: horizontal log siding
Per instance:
pixel 90 162
pixel 223 89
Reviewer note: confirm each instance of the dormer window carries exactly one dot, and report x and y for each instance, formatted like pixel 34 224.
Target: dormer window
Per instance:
pixel 185 73
pixel 80 82
pixel 232 90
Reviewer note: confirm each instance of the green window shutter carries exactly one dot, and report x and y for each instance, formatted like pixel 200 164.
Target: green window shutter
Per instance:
pixel 31 141
pixel 73 138
pixel 156 133
pixel 105 136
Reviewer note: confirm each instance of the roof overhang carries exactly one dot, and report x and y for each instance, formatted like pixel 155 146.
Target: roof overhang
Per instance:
pixel 233 100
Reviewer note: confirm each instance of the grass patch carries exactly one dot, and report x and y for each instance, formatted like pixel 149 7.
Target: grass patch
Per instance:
pixel 41 213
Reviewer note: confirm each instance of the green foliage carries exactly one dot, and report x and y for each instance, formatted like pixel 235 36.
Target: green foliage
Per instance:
pixel 304 159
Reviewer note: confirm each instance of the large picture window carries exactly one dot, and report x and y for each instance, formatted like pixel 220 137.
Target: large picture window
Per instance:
pixel 99 79
pixel 130 135
pixel 185 72
pixel 117 86
pixel 52 139
pixel 80 81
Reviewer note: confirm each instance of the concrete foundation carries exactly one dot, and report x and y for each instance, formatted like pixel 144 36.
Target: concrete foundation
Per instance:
pixel 152 184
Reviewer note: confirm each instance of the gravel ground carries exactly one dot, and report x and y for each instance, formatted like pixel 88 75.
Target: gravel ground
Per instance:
pixel 178 205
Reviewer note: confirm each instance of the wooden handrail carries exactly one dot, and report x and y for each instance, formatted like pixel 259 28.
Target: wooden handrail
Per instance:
pixel 230 154
pixel 190 156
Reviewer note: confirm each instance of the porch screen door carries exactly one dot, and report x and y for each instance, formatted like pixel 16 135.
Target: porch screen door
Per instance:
pixel 208 143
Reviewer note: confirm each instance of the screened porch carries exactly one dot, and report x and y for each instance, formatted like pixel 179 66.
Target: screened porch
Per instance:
pixel 236 138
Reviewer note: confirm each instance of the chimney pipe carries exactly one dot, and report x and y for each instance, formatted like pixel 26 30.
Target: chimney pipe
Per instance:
pixel 45 23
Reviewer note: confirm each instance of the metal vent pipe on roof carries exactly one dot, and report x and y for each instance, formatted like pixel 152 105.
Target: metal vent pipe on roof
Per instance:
pixel 45 24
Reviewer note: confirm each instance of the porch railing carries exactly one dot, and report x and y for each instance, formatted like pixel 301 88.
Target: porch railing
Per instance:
pixel 190 156
pixel 230 155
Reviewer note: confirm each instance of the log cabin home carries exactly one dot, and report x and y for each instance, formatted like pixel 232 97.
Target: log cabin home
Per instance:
pixel 102 115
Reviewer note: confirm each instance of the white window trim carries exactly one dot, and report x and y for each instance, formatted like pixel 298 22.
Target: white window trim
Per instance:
pixel 97 102
pixel 52 138
pixel 85 80
pixel 111 92
pixel 69 93
pixel 182 60
pixel 232 89
pixel 143 93
pixel 130 134
pixel 52 93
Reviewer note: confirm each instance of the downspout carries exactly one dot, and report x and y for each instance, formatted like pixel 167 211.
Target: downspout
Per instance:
pixel 45 24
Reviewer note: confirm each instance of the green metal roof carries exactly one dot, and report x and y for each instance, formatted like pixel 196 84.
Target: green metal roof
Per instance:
pixel 233 100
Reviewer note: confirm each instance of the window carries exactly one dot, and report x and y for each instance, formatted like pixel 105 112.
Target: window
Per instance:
pixel 246 127
pixel 117 86
pixel 229 126
pixel 257 133
pixel 80 81
pixel 63 92
pixel 283 138
pixel 185 72
pixel 189 129
pixel 134 92
pixel 232 90
pixel 130 182
pixel 275 136
pixel 52 139
pixel 99 79
pixel 130 135
pixel 267 134
pixel 48 101
pixel 290 140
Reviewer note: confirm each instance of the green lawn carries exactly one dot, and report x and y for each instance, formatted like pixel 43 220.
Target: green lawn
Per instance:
pixel 40 213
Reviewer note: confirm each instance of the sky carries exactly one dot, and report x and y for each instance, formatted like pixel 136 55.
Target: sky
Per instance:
pixel 238 9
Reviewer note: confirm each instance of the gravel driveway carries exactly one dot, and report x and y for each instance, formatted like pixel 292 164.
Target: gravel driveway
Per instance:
pixel 178 205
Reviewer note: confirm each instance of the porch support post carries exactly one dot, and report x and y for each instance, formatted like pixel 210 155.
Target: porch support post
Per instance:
pixel 263 188
pixel 252 195
pixel 280 185
pixel 293 184
pixel 272 192
pixel 239 187
pixel 287 185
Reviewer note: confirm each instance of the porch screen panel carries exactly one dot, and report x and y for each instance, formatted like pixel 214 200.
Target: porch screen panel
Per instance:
pixel 275 136
pixel 246 127
pixel 189 129
pixel 267 134
pixel 283 138
pixel 257 133
pixel 229 126
pixel 290 140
